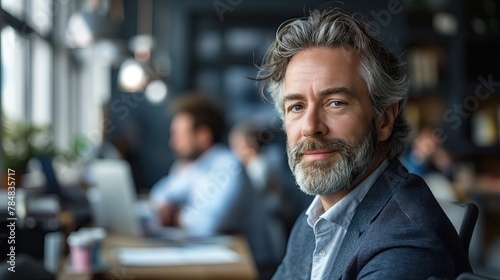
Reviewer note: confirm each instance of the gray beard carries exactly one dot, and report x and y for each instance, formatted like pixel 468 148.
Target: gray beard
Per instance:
pixel 332 176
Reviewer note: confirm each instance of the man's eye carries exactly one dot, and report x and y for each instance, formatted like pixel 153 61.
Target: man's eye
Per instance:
pixel 337 104
pixel 295 108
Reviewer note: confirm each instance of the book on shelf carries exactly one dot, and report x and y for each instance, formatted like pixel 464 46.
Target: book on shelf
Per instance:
pixel 484 128
pixel 424 66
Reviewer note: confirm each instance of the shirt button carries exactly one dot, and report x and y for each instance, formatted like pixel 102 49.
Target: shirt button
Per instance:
pixel 322 253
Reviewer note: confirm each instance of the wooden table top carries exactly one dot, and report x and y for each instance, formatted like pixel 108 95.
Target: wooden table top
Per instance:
pixel 244 268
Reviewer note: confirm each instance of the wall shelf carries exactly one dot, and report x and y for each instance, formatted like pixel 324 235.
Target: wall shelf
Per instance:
pixel 466 57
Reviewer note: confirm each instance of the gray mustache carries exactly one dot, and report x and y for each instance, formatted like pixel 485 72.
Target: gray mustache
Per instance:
pixel 309 145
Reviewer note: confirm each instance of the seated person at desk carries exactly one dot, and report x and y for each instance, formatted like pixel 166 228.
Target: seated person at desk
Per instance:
pixel 426 155
pixel 246 140
pixel 341 93
pixel 205 192
pixel 427 158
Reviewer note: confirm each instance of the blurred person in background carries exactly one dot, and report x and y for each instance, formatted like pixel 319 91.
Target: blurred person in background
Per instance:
pixel 341 94
pixel 427 158
pixel 248 142
pixel 207 191
pixel 426 154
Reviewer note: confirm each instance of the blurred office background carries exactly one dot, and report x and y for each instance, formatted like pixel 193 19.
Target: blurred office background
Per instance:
pixel 79 76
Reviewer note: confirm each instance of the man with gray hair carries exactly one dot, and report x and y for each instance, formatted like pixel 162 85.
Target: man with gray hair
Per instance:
pixel 340 93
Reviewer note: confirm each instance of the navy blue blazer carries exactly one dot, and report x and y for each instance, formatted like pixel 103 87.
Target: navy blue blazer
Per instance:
pixel 399 231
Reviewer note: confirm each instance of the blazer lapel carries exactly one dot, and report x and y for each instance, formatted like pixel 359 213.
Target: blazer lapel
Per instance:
pixel 370 207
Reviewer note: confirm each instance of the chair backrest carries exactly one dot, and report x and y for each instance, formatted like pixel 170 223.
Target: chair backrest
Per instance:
pixel 463 216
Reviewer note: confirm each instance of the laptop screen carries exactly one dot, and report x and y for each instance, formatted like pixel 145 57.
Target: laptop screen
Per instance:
pixel 116 197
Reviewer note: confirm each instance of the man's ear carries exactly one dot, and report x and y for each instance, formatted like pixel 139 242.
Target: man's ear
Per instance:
pixel 385 123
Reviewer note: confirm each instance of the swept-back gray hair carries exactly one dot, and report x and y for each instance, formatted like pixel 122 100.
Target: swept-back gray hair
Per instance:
pixel 383 72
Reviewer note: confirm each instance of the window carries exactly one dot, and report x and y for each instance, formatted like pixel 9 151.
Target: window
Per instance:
pixel 40 15
pixel 14 50
pixel 41 108
pixel 14 7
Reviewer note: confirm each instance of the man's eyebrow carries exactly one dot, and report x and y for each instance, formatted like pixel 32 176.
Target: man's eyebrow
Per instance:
pixel 337 90
pixel 293 96
pixel 323 93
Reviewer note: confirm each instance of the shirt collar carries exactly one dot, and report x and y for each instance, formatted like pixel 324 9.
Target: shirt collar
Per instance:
pixel 342 212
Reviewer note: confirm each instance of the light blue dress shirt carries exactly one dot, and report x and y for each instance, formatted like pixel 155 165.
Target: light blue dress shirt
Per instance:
pixel 208 191
pixel 331 226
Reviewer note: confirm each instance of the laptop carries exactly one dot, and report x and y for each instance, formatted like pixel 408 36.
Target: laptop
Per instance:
pixel 116 206
pixel 112 197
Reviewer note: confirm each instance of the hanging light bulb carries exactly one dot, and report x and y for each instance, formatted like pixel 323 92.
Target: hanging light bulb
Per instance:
pixel 131 76
pixel 156 91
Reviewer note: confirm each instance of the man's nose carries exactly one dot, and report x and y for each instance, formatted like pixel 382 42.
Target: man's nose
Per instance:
pixel 314 123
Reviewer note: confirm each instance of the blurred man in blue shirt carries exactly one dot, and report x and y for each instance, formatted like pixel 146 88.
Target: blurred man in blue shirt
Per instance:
pixel 207 191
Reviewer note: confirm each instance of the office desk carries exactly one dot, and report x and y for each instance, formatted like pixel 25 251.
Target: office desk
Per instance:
pixel 243 269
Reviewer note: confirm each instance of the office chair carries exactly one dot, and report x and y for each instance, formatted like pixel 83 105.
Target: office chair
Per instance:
pixel 463 216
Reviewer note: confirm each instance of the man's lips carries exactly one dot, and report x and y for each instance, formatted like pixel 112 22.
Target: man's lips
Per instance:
pixel 317 155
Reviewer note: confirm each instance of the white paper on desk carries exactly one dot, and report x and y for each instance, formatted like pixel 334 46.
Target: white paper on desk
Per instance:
pixel 199 254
